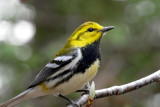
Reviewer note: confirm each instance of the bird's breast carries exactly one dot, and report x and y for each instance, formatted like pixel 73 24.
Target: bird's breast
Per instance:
pixel 79 80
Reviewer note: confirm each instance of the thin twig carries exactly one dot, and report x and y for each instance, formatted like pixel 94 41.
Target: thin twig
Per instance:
pixel 122 89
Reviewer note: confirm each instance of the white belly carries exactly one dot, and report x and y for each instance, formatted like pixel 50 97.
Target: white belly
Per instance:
pixel 78 80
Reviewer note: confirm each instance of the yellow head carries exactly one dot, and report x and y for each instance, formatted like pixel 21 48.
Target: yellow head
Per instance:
pixel 86 34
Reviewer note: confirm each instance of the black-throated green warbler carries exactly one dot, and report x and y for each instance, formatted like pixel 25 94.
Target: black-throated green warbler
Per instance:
pixel 71 68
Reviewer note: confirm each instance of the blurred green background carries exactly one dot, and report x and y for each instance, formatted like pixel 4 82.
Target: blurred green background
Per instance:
pixel 32 31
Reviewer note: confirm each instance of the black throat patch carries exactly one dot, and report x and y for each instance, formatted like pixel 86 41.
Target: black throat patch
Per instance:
pixel 90 54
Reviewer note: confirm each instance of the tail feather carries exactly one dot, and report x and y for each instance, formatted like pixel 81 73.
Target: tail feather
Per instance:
pixel 17 99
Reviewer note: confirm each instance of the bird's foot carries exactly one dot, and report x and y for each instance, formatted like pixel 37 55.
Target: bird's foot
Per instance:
pixel 85 91
pixel 74 104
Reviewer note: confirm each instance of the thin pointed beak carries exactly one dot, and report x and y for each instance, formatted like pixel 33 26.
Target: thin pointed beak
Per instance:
pixel 105 29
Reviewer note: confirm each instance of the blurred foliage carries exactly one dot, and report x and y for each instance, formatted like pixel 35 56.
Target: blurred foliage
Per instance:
pixel 129 52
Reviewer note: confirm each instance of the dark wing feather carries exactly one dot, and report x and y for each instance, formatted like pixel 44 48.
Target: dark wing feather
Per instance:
pixel 48 71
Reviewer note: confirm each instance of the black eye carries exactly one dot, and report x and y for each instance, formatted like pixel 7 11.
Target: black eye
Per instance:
pixel 90 29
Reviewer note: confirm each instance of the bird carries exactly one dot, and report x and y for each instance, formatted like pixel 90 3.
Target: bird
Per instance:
pixel 70 69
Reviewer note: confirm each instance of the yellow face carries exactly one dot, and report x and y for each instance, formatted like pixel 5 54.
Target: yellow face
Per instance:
pixel 87 33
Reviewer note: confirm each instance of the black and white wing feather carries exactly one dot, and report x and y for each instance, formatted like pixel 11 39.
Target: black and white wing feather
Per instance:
pixel 54 66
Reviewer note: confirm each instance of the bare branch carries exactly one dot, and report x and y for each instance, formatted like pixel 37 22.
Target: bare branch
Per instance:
pixel 122 89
